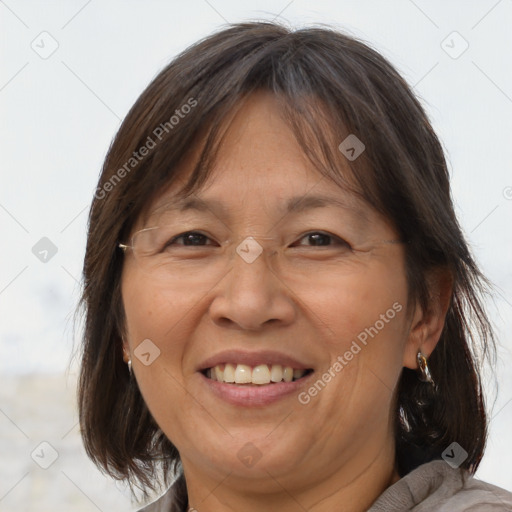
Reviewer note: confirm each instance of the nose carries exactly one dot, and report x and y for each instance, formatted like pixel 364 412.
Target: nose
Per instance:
pixel 251 295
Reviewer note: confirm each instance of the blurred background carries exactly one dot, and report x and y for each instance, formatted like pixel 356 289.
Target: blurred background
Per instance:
pixel 70 71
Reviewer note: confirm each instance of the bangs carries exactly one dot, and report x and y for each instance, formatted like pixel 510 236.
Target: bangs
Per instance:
pixel 317 134
pixel 324 98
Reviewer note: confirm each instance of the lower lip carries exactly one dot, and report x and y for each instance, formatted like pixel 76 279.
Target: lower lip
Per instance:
pixel 247 395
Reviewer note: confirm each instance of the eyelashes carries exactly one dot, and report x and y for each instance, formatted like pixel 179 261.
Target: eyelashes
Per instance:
pixel 197 236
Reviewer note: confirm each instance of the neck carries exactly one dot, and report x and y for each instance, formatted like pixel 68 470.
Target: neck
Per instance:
pixel 355 485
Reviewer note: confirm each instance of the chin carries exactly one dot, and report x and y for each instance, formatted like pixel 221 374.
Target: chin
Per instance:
pixel 251 454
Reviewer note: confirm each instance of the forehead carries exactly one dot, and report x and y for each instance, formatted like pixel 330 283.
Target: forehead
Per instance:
pixel 294 204
pixel 260 165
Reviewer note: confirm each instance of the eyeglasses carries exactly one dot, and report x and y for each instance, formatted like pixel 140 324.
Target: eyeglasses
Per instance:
pixel 158 253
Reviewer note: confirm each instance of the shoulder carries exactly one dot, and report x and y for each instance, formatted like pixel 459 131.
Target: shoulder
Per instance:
pixel 168 502
pixel 162 504
pixel 437 486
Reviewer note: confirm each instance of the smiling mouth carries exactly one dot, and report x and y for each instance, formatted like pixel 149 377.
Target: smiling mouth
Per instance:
pixel 259 375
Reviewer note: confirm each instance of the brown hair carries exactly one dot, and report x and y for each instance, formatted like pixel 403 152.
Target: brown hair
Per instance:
pixel 402 173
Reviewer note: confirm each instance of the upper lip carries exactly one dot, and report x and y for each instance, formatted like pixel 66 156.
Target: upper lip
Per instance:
pixel 253 358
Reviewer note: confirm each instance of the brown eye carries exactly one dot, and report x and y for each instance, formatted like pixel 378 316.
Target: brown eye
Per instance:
pixel 190 239
pixel 321 239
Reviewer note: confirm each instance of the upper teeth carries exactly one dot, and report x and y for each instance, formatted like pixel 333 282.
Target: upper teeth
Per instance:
pixel 261 374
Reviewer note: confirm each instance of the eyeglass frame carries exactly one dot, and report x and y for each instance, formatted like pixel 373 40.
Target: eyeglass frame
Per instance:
pixel 125 247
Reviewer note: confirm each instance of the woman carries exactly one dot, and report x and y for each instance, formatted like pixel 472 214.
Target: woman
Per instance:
pixel 279 299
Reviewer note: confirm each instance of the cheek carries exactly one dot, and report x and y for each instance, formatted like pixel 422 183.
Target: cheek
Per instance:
pixel 157 311
pixel 364 320
pixel 365 326
pixel 364 304
pixel 163 315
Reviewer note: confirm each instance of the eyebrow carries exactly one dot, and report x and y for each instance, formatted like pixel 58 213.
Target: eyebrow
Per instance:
pixel 295 204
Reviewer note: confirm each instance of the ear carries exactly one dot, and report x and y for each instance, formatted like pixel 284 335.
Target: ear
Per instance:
pixel 427 325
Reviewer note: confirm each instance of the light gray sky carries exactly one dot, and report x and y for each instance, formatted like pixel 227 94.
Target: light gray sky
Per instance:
pixel 60 111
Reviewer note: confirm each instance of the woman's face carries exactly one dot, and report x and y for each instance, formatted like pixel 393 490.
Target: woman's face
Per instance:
pixel 306 301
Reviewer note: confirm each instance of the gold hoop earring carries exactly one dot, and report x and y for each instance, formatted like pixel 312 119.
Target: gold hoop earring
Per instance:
pixel 424 370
